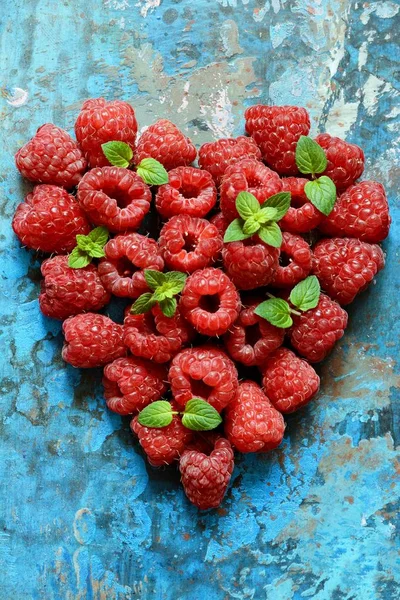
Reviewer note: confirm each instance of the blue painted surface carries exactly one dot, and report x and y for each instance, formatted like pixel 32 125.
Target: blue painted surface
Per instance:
pixel 82 516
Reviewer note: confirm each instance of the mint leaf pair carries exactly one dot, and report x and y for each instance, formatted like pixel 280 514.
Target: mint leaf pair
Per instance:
pixel 198 415
pixel 120 154
pixel 88 247
pixel 310 160
pixel 164 287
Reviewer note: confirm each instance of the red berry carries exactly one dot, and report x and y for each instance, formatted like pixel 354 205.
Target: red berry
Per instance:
pixel 302 216
pixel 189 191
pixel 295 261
pixel 216 157
pixel 345 160
pixel 167 144
pixel 220 222
pixel 49 220
pixel 250 263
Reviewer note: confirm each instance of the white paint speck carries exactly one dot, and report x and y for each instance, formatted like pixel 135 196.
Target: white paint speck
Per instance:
pixel 362 55
pixel 342 116
pixel 17 97
pixel 146 5
pixel 372 90
pixel 218 114
pixel 383 10
pixel 117 4
pixel 185 101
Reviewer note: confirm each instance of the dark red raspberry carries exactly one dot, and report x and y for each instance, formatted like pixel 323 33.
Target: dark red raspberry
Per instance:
pixel 189 191
pixel 114 197
pixel 92 340
pixel 361 212
pixel 167 144
pixel 127 256
pixel 210 301
pixel 204 372
pixel 289 382
pixel 248 175
pixel 220 222
pixel 295 261
pixel 189 243
pixel 345 266
pixel 276 130
pixel 66 292
pixel 345 160
pixel 131 383
pixel 250 263
pixel 49 220
pixel 302 216
pixel 99 122
pixel 216 157
pixel 51 156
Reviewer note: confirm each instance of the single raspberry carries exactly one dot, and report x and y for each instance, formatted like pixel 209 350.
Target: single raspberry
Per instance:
pixel 248 175
pixel 154 336
pixel 345 160
pixel 276 130
pixel 205 477
pixel 362 212
pixel 92 340
pixel 204 372
pixel 250 263
pixel 345 266
pixel 167 144
pixel 51 156
pixel 114 197
pixel 220 222
pixel 316 331
pixel 127 255
pixel 189 243
pixel 210 301
pixel 189 191
pixel 99 122
pixel 66 291
pixel 216 157
pixel 295 261
pixel 289 382
pixel 49 220
pixel 131 383
pixel 302 216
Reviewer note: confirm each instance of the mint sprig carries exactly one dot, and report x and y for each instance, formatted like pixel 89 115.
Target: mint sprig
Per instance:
pixel 88 247
pixel 164 287
pixel 152 172
pixel 118 154
pixel 322 193
pixel 198 415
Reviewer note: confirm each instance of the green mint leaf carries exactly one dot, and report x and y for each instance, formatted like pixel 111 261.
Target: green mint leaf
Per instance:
pixel 234 232
pixel 251 226
pixel 276 311
pixel 305 295
pixel 168 306
pixel 321 193
pixel 118 154
pixel 156 414
pixel 96 251
pixel 247 205
pixel 83 242
pixel 310 157
pixel 199 415
pixel 99 235
pixel 152 172
pixel 270 234
pixel 143 304
pixel 154 279
pixel 178 280
pixel 78 259
pixel 266 214
pixel 281 203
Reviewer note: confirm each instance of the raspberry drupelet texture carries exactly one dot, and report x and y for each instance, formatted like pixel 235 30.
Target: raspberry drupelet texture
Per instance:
pixel 295 261
pixel 51 156
pixel 302 215
pixel 345 160
pixel 114 197
pixel 220 222
pixel 99 122
pixel 49 220
pixel 164 142
pixel 288 381
pixel 210 301
pixel 127 255
pixel 189 191
pixel 250 263
pixel 216 157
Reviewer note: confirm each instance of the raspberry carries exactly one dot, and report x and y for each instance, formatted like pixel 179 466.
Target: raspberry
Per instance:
pixel 252 424
pixel 361 212
pixel 154 336
pixel 130 384
pixel 210 301
pixel 49 220
pixel 316 331
pixel 220 223
pixel 167 144
pixel 92 340
pixel 204 372
pixel 51 156
pixel 216 157
pixel 250 263
pixel 189 191
pixel 205 478
pixel 289 382
pixel 99 122
pixel 295 261
pixel 302 216
pixel 66 292
pixel 189 243
pixel 345 160
pixel 248 175
pixel 276 130
pixel 121 271
pixel 114 197
pixel 345 266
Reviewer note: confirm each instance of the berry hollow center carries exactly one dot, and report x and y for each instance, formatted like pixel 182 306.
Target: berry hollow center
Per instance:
pixel 189 191
pixel 284 259
pixel 210 303
pixel 125 267
pixel 252 335
pixel 120 196
pixel 199 389
pixel 190 240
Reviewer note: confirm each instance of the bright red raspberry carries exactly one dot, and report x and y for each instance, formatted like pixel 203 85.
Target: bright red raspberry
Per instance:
pixel 99 122
pixel 345 266
pixel 276 130
pixel 114 197
pixel 127 255
pixel 189 191
pixel 210 301
pixel 49 220
pixel 167 144
pixel 289 382
pixel 250 263
pixel 131 383
pixel 66 292
pixel 51 156
pixel 204 372
pixel 92 340
pixel 220 222
pixel 216 157
pixel 362 212
pixel 295 261
pixel 345 160
pixel 302 216
pixel 189 243
pixel 248 175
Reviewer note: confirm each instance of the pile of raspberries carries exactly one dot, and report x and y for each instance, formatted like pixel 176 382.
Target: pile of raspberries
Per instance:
pixel 213 311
